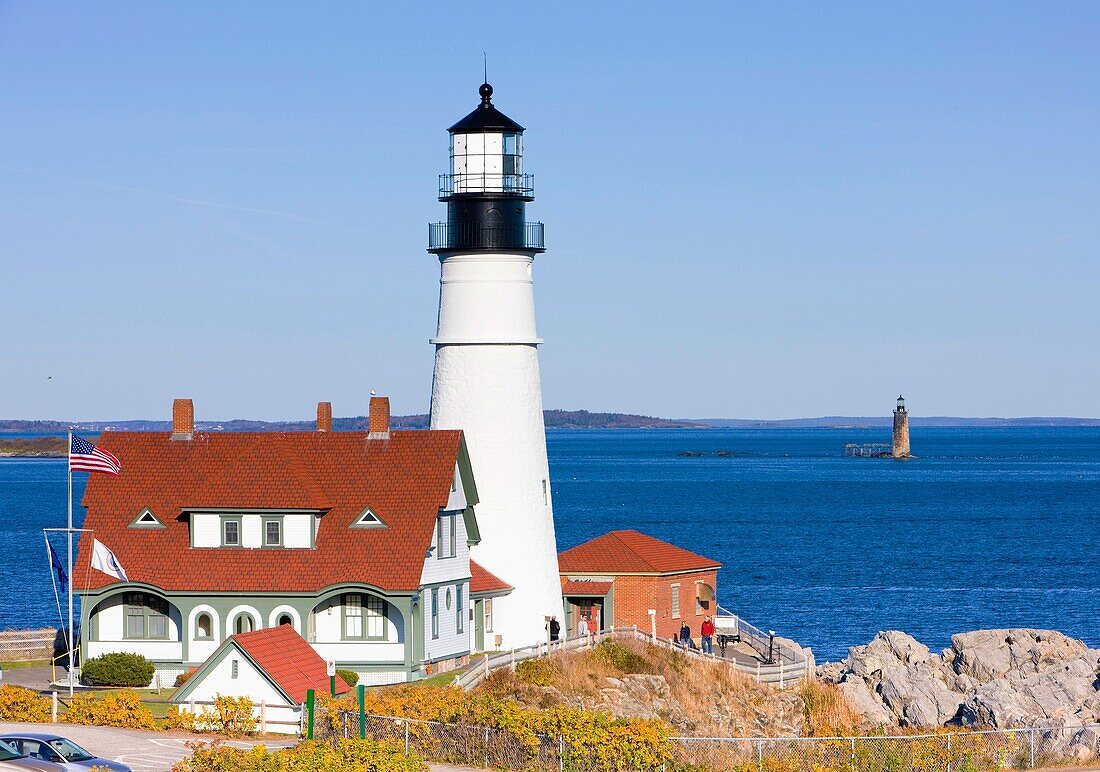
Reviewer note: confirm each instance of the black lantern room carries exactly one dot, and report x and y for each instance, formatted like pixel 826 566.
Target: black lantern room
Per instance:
pixel 486 191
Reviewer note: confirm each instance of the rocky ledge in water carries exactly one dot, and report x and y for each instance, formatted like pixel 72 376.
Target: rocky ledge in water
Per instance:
pixel 1002 679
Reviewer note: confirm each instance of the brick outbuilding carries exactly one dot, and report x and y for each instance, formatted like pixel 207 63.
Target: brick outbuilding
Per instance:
pixel 615 579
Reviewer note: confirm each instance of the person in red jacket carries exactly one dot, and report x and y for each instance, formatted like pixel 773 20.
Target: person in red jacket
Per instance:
pixel 706 632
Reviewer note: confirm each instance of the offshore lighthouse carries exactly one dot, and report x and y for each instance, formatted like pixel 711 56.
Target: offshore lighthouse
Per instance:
pixel 486 379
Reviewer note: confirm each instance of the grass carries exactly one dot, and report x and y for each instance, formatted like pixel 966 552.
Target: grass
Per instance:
pixel 24 663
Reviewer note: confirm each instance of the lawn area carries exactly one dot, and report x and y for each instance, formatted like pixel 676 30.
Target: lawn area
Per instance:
pixel 24 663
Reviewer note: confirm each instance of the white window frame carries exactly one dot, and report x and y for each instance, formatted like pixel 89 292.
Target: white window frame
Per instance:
pixel 435 613
pixel 675 600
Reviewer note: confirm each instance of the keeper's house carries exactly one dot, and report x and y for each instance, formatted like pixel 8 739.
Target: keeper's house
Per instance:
pixel 359 541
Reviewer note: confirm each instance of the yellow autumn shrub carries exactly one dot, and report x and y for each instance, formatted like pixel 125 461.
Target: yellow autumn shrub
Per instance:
pixel 18 703
pixel 352 755
pixel 122 709
pixel 229 716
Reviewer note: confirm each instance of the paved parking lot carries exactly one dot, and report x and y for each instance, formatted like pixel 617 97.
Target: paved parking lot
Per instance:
pixel 145 751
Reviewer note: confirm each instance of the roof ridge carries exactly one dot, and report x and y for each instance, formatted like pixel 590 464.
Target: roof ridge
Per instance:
pixel 636 553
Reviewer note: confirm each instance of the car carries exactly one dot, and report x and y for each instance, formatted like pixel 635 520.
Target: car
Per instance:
pixel 11 760
pixel 60 752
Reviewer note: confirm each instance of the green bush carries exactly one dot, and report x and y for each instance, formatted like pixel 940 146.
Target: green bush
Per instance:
pixel 623 658
pixel 118 669
pixel 350 677
pixel 537 672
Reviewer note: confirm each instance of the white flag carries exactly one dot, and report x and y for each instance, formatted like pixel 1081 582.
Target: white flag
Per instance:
pixel 105 560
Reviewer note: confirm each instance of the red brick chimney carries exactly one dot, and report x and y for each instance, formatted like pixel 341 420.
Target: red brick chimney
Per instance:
pixel 183 419
pixel 379 422
pixel 324 416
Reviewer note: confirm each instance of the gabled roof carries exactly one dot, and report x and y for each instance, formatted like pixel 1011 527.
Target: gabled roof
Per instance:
pixel 284 657
pixel 289 661
pixel 482 582
pixel 405 480
pixel 630 552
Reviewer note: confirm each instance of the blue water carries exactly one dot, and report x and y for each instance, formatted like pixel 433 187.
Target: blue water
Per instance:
pixel 990 527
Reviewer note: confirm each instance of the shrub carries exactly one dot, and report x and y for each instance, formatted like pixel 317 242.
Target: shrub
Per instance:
pixel 183 677
pixel 350 677
pixel 122 709
pixel 118 669
pixel 536 672
pixel 311 756
pixel 825 711
pixel 623 658
pixel 230 716
pixel 20 704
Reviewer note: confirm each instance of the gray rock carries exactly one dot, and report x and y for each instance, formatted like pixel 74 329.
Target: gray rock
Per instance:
pixel 887 651
pixel 831 672
pixel 866 703
pixel 918 696
pixel 988 654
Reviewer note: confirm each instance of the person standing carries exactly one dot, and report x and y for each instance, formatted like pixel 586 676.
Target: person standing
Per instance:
pixel 555 629
pixel 706 634
pixel 685 635
pixel 582 628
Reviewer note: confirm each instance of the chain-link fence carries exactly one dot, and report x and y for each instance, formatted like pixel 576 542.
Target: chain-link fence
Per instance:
pixel 948 751
pixel 953 751
pixel 478 746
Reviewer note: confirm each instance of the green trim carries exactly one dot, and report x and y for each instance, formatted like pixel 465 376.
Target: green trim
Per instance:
pixel 240 530
pixel 363 608
pixel 147 614
pixel 461 612
pixel 434 611
pixel 204 637
pixel 220 653
pixel 479 624
pixel 263 531
pixel 137 521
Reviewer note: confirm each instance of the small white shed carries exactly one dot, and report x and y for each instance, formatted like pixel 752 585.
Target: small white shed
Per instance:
pixel 274 668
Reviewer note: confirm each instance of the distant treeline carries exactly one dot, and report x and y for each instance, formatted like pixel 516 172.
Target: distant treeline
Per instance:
pixel 37 446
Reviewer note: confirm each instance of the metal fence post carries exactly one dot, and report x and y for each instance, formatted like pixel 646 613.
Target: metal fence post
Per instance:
pixel 949 759
pixel 309 711
pixel 561 755
pixel 1031 734
pixel 406 738
pixel 853 754
pixel 362 711
pixel 760 755
pixel 486 747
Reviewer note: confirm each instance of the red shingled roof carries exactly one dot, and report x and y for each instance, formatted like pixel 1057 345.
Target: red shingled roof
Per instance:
pixel 289 661
pixel 630 552
pixel 404 480
pixel 585 588
pixel 482 580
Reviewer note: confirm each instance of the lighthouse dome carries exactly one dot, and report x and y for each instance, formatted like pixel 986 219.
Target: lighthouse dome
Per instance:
pixel 485 117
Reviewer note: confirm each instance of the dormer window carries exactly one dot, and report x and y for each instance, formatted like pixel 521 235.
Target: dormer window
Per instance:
pixel 368 520
pixel 231 532
pixel 446 536
pixel 146 519
pixel 273 531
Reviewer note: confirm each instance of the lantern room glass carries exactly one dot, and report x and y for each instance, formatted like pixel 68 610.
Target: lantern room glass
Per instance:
pixel 486 162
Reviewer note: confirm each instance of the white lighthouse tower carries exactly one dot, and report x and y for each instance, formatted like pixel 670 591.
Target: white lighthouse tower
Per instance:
pixel 487 366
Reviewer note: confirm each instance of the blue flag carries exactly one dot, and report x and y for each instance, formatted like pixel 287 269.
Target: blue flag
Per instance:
pixel 55 562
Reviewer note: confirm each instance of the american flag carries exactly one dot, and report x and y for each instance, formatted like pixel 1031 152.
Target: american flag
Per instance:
pixel 86 457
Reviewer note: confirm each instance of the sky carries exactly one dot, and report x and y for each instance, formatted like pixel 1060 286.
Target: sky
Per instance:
pixel 764 210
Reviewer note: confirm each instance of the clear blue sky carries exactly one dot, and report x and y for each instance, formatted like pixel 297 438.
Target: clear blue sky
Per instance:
pixel 756 211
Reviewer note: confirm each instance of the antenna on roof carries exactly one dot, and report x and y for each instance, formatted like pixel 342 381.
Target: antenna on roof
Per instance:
pixel 485 66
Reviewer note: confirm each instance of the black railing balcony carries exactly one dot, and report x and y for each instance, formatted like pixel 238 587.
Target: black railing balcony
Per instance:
pixel 527 236
pixel 522 185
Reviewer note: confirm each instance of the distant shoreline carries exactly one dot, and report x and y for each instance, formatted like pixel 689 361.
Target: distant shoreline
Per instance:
pixel 554 419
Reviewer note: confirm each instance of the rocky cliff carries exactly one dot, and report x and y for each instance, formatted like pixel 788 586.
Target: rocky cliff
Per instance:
pixel 1001 679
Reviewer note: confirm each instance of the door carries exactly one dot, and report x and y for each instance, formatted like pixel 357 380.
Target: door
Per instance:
pixel 479 625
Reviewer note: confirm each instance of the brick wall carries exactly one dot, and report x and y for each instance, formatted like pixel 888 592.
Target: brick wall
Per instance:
pixel 635 595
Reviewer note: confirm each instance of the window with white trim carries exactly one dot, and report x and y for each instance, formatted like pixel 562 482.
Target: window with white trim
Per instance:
pixel 675 601
pixel 488 615
pixel 231 532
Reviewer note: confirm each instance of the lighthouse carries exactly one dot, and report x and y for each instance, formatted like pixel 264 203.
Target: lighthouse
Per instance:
pixel 900 447
pixel 486 379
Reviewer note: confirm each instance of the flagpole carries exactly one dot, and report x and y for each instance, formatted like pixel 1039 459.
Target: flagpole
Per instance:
pixel 69 533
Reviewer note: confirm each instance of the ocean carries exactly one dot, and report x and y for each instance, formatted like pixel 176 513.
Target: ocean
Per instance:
pixel 988 527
